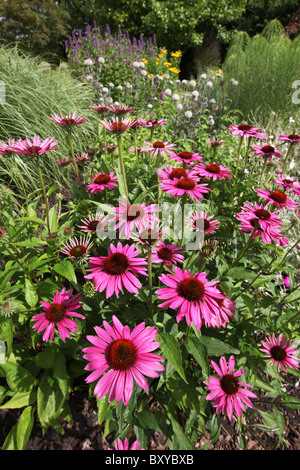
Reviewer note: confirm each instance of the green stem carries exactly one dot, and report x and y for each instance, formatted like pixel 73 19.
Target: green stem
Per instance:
pixel 104 140
pixel 242 252
pixel 120 146
pixel 182 217
pixel 73 155
pixel 238 157
pixel 286 157
pixel 247 152
pixel 135 145
pixel 150 278
pixel 45 195
pixel 262 171
pixel 24 191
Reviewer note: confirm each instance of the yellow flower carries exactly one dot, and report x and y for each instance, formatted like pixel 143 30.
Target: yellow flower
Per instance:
pixel 150 75
pixel 176 54
pixel 145 61
pixel 174 70
pixel 167 64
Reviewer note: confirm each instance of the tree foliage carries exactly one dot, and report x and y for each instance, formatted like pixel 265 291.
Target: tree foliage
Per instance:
pixel 36 25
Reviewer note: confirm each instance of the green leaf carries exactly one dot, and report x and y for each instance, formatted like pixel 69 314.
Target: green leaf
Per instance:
pixel 199 352
pixel 292 296
pixel 18 378
pixel 184 442
pixel 102 405
pixel 216 347
pixel 148 421
pixel 24 427
pixel 172 352
pixel 65 268
pixel 19 400
pixel 53 219
pixel 31 295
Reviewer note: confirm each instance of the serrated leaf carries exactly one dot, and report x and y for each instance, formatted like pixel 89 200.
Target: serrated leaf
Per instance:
pixel 18 378
pixel 148 421
pixel 199 352
pixel 216 347
pixel 24 427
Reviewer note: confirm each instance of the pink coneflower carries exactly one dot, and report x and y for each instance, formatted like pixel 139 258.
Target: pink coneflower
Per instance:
pixel 57 314
pixel 36 147
pixel 102 181
pixel 195 296
pixel 125 357
pixel 77 249
pixel 280 352
pixel 155 122
pixel 149 236
pixel 244 130
pixel 290 138
pixel 117 126
pixel 268 224
pixel 8 148
pixel 203 222
pixel 226 392
pixel 121 109
pixel 187 157
pixel 288 183
pixel 63 162
pixel 92 224
pixel 180 186
pixel 277 198
pixel 156 148
pixel 170 173
pixel 100 108
pixel 69 120
pixel 168 254
pixel 215 143
pixel 139 123
pixel 138 149
pixel 110 147
pixel 134 217
pixel 266 151
pixel 82 158
pixel 212 171
pixel 226 311
pixel 119 268
pixel 119 445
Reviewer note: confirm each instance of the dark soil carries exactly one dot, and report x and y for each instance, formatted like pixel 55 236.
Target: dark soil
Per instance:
pixel 86 434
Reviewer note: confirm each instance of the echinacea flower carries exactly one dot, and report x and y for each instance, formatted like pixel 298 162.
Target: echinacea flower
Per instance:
pixel 212 171
pixel 195 297
pixel 156 148
pixel 268 224
pixel 8 148
pixel 185 186
pixel 118 269
pixel 121 109
pixel 280 352
pixel 170 173
pixel 155 122
pixel 93 223
pixel 63 162
pixel 293 138
pixel 68 120
pixel 168 254
pixel 77 250
pixel 277 198
pixel 201 221
pixel 102 181
pixel 110 147
pixel 36 147
pixel 266 150
pixel 288 183
pixel 100 108
pixel 82 158
pixel 134 217
pixel 117 126
pixel 244 130
pixel 187 157
pixel 228 393
pixel 122 357
pixel 119 445
pixel 58 314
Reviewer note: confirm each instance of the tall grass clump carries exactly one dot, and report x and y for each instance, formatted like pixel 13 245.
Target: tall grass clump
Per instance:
pixel 266 67
pixel 33 91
